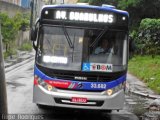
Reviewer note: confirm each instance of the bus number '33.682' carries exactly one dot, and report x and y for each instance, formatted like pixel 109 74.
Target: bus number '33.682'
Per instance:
pixel 101 86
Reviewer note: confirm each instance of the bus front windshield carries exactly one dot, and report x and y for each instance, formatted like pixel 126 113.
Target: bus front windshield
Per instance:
pixel 65 48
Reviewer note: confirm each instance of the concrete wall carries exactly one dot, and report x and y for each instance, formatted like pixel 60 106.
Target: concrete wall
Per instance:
pixel 25 3
pixel 22 37
pixel 11 9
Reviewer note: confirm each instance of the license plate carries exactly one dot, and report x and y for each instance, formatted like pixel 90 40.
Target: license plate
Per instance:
pixel 79 100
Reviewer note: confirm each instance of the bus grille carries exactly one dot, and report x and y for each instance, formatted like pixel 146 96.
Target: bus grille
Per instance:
pixel 90 78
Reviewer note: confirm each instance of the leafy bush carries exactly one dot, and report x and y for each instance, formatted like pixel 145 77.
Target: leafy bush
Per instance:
pixel 8 30
pixel 11 26
pixel 148 38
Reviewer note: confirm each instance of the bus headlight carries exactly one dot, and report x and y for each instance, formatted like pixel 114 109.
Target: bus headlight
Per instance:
pixel 112 91
pixel 49 87
pixel 42 83
pixel 109 92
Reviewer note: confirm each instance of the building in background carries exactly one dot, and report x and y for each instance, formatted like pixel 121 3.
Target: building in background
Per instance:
pixel 60 1
pixel 21 3
pixel 25 3
pixel 11 7
pixel 16 2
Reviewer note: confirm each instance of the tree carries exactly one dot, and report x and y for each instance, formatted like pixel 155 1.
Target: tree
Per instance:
pixel 100 2
pixel 8 30
pixel 22 20
pixel 140 9
pixel 11 26
pixel 149 36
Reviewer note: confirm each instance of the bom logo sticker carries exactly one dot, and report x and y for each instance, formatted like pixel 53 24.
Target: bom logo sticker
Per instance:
pixel 101 67
pixel 98 67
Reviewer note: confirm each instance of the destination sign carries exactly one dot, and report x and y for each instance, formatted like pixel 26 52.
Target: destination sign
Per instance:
pixel 85 16
pixel 82 16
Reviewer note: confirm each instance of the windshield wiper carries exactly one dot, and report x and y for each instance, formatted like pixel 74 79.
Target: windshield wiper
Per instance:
pixel 67 37
pixel 99 37
pixel 73 47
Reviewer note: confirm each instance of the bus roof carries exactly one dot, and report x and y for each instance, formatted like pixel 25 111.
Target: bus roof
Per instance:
pixel 105 8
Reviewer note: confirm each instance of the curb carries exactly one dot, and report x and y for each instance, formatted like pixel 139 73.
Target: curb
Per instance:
pixel 15 62
pixel 10 68
pixel 18 62
pixel 142 94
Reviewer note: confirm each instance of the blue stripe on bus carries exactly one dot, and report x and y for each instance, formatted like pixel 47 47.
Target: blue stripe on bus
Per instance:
pixel 84 85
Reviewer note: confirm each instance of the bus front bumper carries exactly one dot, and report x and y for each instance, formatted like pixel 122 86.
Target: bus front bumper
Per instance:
pixel 95 100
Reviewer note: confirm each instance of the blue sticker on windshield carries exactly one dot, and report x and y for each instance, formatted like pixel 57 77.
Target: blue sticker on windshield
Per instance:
pixel 86 67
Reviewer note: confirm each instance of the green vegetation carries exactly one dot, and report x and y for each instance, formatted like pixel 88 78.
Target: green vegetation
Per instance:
pixel 148 37
pixel 22 21
pixel 138 9
pixel 9 53
pixel 147 69
pixel 147 66
pixel 27 46
pixel 10 28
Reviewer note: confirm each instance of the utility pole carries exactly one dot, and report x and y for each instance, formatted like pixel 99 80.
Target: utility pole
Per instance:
pixel 32 9
pixel 3 95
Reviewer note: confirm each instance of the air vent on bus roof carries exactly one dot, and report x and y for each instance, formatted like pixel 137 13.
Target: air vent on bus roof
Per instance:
pixel 110 6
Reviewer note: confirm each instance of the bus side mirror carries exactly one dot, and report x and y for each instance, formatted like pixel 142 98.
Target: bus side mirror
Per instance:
pixel 33 37
pixel 33 33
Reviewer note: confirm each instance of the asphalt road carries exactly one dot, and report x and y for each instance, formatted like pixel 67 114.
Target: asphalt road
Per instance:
pixel 19 79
